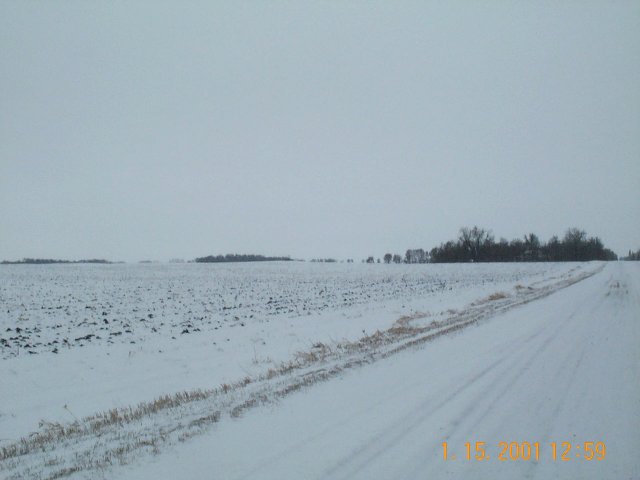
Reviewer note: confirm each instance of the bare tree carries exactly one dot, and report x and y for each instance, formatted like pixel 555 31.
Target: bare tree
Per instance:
pixel 472 240
pixel 532 247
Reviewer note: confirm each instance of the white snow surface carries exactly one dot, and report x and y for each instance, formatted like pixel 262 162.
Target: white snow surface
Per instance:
pixel 563 366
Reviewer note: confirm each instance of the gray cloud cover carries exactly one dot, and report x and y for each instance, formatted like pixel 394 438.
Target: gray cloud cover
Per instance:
pixel 133 130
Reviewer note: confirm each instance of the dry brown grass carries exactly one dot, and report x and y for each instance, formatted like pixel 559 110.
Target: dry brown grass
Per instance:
pixel 52 433
pixel 496 296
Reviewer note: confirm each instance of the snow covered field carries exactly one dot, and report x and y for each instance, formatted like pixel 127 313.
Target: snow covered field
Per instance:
pixel 62 307
pixel 297 370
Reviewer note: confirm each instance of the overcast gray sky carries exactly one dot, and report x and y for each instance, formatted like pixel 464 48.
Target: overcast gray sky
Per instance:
pixel 152 130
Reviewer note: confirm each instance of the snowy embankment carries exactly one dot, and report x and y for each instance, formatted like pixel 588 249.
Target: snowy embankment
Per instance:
pixel 261 361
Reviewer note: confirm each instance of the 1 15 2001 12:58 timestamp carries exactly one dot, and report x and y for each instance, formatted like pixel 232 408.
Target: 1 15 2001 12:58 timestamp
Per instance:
pixel 523 451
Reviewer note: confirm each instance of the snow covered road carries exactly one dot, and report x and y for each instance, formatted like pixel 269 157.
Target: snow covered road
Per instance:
pixel 565 368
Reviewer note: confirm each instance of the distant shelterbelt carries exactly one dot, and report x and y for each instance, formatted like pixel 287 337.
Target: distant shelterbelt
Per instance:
pixel 232 257
pixel 46 261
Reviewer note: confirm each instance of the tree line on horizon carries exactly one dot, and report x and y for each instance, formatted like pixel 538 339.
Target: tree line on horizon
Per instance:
pixel 479 245
pixel 234 257
pixel 48 261
pixel 635 256
pixel 472 245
